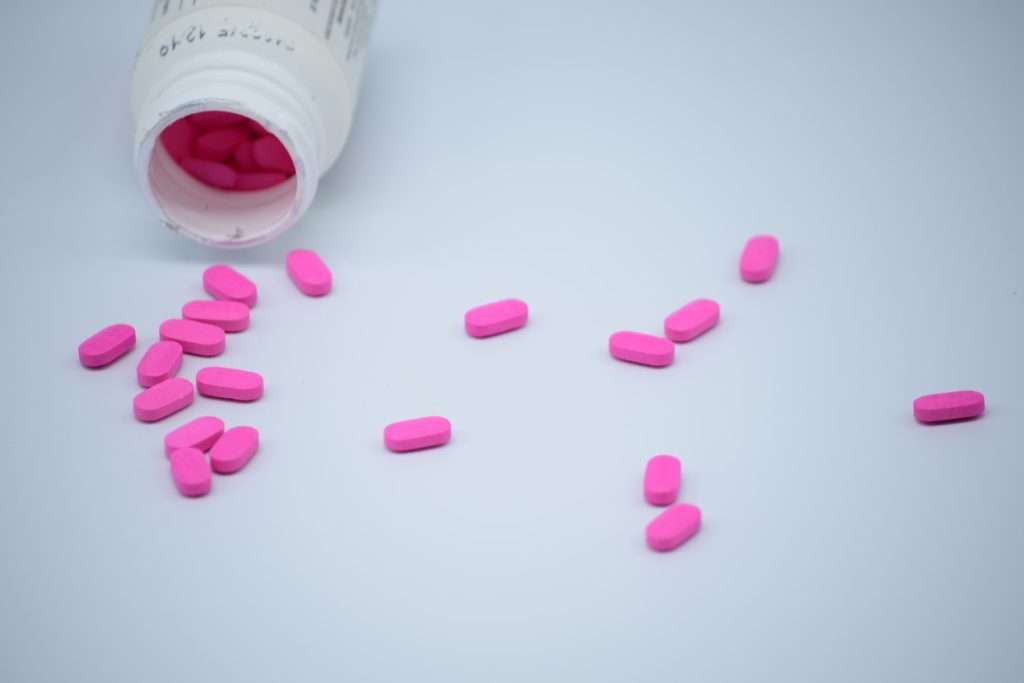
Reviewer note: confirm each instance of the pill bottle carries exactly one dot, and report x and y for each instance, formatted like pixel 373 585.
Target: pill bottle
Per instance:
pixel 291 68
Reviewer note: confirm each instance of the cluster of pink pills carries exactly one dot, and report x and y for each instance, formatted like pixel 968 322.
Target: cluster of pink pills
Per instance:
pixel 201 446
pixel 228 151
pixel 678 523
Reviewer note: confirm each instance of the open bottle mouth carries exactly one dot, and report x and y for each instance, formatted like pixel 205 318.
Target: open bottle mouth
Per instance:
pixel 222 178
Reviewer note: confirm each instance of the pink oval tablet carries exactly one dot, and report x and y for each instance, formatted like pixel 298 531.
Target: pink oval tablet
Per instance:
pixel 661 480
pixel 954 405
pixel 413 435
pixel 496 318
pixel 673 527
pixel 645 349
pixel 234 385
pixel 692 320
pixel 258 180
pixel 757 263
pixel 230 316
pixel 309 273
pixel 163 399
pixel 234 450
pixel 106 346
pixel 208 120
pixel 212 173
pixel 191 472
pixel 161 361
pixel 177 139
pixel 200 433
pixel 224 282
pixel 271 155
pixel 196 338
pixel 219 144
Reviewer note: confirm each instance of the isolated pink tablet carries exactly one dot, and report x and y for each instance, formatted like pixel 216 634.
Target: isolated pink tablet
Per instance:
pixel 645 349
pixel 309 273
pixel 234 450
pixel 164 399
pixel 191 472
pixel 760 255
pixel 661 480
pixel 161 361
pixel 229 383
pixel 106 346
pixel 673 527
pixel 692 320
pixel 200 433
pixel 496 318
pixel 946 407
pixel 416 434
pixel 224 282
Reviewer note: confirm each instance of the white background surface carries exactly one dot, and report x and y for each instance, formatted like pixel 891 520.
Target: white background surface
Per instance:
pixel 604 162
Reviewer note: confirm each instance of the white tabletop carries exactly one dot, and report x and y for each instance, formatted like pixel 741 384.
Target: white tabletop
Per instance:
pixel 604 162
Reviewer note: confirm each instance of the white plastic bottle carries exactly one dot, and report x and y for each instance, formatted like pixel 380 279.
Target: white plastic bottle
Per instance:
pixel 293 66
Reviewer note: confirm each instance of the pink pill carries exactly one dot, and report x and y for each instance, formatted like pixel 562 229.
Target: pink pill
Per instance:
pixel 234 385
pixel 106 346
pixel 224 282
pixel 645 349
pixel 673 527
pixel 191 472
pixel 161 361
pixel 164 399
pixel 200 433
pixel 271 155
pixel 212 173
pixel 256 128
pixel 954 405
pixel 692 320
pixel 242 157
pixel 496 318
pixel 258 180
pixel 177 139
pixel 309 273
pixel 208 120
pixel 414 435
pixel 234 450
pixel 196 338
pixel 219 144
pixel 230 316
pixel 759 258
pixel 661 480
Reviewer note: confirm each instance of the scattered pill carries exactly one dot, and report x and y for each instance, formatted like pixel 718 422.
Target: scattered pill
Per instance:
pixel 259 180
pixel 661 480
pixel 219 144
pixel 196 338
pixel 191 472
pixel 271 155
pixel 224 282
pixel 759 258
pixel 200 433
pixel 161 361
pixel 230 316
pixel 177 139
pixel 309 273
pixel 208 120
pixel 164 399
pixel 645 349
pixel 106 346
pixel 212 173
pixel 229 383
pixel 692 320
pixel 234 450
pixel 416 434
pixel 673 527
pixel 946 407
pixel 496 318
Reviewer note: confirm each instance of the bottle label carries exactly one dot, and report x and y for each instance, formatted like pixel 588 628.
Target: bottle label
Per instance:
pixel 344 25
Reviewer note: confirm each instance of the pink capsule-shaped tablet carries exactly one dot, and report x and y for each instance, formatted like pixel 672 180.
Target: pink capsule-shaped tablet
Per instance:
pixel 164 399
pixel 219 144
pixel 645 349
pixel 229 383
pixel 673 527
pixel 760 255
pixel 661 480
pixel 106 346
pixel 212 173
pixel 208 120
pixel 177 139
pixel 258 180
pixel 196 338
pixel 496 318
pixel 161 361
pixel 271 155
pixel 191 472
pixel 946 407
pixel 692 320
pixel 416 434
pixel 234 450
pixel 309 273
pixel 200 433
pixel 230 316
pixel 224 282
